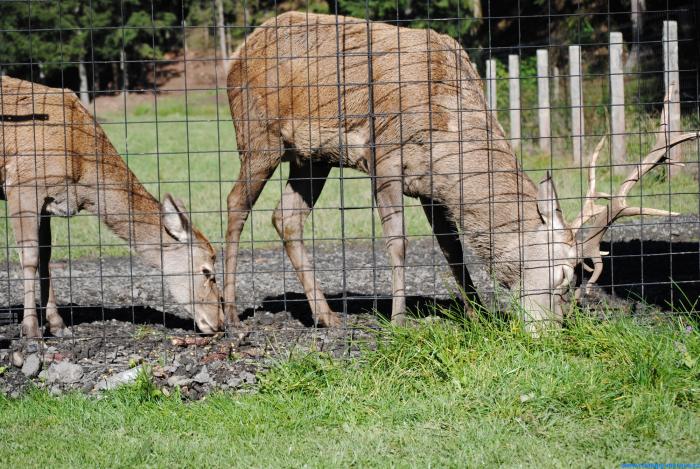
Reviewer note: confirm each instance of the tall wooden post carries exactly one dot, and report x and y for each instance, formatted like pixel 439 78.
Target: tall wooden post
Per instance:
pixel 491 97
pixel 514 97
pixel 543 99
pixel 671 77
pixel 617 100
pixel 576 93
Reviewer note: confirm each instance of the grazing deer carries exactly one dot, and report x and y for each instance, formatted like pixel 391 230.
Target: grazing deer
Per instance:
pixel 57 160
pixel 302 89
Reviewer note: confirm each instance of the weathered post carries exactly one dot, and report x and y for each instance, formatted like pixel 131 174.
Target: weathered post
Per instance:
pixel 671 78
pixel 617 100
pixel 514 95
pixel 491 97
pixel 576 92
pixel 556 88
pixel 543 98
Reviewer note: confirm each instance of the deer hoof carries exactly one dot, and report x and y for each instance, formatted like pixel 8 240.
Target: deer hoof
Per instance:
pixel 232 319
pixel 329 319
pixel 30 329
pixel 61 332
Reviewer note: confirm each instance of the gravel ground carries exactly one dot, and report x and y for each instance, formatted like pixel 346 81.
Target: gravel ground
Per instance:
pixel 123 321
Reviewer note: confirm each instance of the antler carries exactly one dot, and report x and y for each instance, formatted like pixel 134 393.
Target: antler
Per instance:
pixel 599 217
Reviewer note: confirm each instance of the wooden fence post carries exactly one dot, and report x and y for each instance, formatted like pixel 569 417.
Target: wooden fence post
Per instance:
pixel 543 99
pixel 671 77
pixel 617 100
pixel 514 95
pixel 556 88
pixel 576 92
pixel 491 97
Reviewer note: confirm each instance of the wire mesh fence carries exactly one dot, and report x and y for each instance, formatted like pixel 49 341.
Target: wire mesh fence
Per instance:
pixel 334 163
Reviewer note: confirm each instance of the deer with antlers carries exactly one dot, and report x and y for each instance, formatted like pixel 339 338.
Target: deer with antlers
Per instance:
pixel 57 161
pixel 405 106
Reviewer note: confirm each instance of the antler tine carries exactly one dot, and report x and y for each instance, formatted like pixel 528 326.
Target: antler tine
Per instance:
pixel 590 209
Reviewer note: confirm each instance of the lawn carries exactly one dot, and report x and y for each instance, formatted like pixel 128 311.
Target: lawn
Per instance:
pixel 445 394
pixel 187 147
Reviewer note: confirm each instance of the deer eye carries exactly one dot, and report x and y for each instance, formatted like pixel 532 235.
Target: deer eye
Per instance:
pixel 207 273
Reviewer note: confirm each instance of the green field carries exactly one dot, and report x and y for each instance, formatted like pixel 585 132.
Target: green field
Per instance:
pixel 188 148
pixel 446 394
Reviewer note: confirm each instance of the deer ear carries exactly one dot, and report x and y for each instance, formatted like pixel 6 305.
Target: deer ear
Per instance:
pixel 548 204
pixel 175 219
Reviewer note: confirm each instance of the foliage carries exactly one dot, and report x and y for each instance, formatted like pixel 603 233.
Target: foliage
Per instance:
pixel 50 40
pixel 454 17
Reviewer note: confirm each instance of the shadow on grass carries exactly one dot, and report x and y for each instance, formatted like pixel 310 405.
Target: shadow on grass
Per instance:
pixel 78 314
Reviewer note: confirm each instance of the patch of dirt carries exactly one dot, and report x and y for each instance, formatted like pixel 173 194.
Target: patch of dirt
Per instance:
pixel 105 354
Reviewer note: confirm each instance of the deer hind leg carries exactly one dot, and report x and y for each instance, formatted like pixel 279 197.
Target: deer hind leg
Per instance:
pixel 389 196
pixel 256 169
pixel 48 297
pixel 25 224
pixel 447 236
pixel 305 183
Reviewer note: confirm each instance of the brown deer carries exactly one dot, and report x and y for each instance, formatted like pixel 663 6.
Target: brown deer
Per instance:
pixel 57 160
pixel 302 88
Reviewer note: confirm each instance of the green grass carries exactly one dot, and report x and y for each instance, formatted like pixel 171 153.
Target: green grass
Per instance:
pixel 442 394
pixel 188 149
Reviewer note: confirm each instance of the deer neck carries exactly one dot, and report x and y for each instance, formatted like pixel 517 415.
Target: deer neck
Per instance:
pixel 497 231
pixel 127 209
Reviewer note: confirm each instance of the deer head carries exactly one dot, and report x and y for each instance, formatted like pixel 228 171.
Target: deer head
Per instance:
pixel 188 267
pixel 554 250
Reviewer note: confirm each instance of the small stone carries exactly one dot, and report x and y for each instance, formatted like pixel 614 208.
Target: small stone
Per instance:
pixel 64 372
pixel 179 380
pixel 234 382
pixel 17 359
pixel 31 347
pixel 43 375
pixel 216 365
pixel 114 381
pixel 215 357
pixel 203 376
pixel 248 377
pixel 32 365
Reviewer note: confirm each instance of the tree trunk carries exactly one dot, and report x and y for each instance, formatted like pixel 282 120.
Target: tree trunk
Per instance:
pixel 115 77
pixel 637 16
pixel 84 93
pixel 223 43
pixel 125 72
pixel 476 9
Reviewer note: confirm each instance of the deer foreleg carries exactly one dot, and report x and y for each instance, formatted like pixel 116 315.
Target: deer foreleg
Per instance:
pixel 25 224
pixel 251 181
